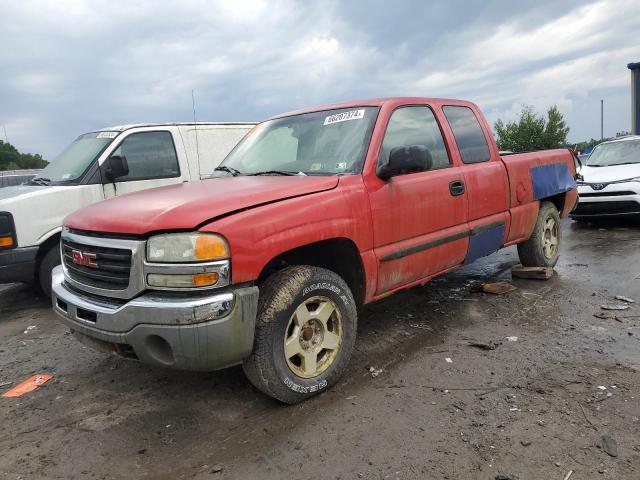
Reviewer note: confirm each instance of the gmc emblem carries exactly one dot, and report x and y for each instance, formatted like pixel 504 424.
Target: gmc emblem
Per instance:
pixel 84 259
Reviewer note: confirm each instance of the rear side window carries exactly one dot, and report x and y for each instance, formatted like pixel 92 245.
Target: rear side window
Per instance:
pixel 415 125
pixel 468 133
pixel 149 155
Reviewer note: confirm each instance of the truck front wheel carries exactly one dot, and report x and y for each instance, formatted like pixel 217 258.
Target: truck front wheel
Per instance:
pixel 48 262
pixel 305 333
pixel 543 247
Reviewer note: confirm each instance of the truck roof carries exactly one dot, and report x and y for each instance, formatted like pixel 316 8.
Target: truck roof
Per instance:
pixel 374 102
pixel 122 128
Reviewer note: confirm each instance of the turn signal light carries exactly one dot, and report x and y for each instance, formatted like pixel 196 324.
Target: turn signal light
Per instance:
pixel 205 279
pixel 208 279
pixel 6 241
pixel 210 247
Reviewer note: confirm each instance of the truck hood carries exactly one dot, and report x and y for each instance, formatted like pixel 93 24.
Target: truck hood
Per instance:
pixel 188 205
pixel 613 173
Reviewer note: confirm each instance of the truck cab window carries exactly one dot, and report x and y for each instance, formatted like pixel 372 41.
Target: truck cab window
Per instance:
pixel 415 125
pixel 148 155
pixel 468 134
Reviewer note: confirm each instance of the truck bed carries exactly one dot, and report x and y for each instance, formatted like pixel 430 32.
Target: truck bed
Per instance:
pixel 540 175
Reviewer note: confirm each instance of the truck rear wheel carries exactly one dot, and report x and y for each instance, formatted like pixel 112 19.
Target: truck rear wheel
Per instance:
pixel 543 247
pixel 48 262
pixel 305 333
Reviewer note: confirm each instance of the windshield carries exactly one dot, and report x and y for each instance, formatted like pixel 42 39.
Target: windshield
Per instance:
pixel 76 158
pixel 615 153
pixel 320 143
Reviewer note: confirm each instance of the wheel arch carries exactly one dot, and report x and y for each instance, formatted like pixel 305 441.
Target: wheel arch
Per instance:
pixel 340 255
pixel 51 242
pixel 558 200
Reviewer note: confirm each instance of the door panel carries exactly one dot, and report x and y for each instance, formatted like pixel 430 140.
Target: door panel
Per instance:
pixel 152 160
pixel 484 173
pixel 419 219
pixel 416 221
pixel 487 188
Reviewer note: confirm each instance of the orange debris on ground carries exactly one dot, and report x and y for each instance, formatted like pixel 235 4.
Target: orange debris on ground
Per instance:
pixel 28 385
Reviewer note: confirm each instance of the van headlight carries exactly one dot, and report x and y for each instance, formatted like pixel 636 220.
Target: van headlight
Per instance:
pixel 7 231
pixel 177 261
pixel 187 247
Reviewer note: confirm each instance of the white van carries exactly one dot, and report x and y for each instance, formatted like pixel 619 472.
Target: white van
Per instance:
pixel 96 166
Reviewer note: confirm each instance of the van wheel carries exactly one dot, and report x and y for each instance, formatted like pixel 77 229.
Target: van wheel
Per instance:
pixel 305 333
pixel 543 247
pixel 50 260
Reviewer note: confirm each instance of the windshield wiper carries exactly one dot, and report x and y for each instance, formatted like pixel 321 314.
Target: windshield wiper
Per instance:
pixel 231 170
pixel 40 181
pixel 276 172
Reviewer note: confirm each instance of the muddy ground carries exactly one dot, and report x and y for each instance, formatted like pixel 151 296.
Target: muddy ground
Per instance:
pixel 536 407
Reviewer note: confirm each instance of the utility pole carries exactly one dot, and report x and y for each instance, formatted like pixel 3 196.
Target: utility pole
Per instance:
pixel 601 120
pixel 635 97
pixel 5 134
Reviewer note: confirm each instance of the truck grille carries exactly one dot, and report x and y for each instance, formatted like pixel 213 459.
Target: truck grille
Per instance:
pixel 606 208
pixel 100 267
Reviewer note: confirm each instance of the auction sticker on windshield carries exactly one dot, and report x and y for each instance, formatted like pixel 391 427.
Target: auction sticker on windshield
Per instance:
pixel 344 116
pixel 107 135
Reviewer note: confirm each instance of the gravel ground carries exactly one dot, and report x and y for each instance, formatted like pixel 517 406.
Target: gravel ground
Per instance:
pixel 433 406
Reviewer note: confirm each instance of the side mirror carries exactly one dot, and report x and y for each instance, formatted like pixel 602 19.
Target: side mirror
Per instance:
pixel 115 167
pixel 412 158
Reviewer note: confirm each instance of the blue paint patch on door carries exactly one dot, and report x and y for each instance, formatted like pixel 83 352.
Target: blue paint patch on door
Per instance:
pixel 549 180
pixel 484 242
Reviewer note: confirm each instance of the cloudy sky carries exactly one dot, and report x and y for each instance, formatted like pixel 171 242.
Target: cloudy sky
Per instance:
pixel 72 66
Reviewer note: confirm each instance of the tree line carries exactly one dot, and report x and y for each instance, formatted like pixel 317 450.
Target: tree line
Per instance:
pixel 12 159
pixel 533 131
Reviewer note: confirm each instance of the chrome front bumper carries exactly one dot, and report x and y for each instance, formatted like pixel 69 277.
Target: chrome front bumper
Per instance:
pixel 190 333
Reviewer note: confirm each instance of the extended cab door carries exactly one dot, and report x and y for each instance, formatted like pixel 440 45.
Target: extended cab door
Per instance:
pixel 485 180
pixel 150 158
pixel 419 219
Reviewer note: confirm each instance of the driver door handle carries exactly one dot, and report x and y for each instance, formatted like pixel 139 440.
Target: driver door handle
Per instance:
pixel 456 188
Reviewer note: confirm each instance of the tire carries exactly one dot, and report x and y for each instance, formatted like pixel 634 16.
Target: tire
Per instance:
pixel 543 247
pixel 49 261
pixel 313 311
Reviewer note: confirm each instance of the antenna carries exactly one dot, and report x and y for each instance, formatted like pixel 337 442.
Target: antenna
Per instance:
pixel 195 129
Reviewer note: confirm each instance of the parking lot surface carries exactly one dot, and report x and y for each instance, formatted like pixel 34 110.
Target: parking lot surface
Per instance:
pixel 419 401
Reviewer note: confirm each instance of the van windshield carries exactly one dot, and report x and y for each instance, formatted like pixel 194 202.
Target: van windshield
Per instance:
pixel 329 142
pixel 74 160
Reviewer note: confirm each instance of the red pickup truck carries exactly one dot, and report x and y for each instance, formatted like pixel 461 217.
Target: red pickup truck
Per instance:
pixel 313 214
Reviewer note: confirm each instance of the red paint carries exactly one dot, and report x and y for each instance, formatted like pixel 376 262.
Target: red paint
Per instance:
pixel 262 217
pixel 186 205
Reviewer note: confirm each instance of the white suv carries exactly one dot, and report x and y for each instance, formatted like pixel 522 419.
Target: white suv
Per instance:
pixel 610 184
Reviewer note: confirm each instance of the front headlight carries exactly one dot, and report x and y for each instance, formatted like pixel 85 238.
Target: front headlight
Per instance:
pixel 7 231
pixel 187 248
pixel 177 261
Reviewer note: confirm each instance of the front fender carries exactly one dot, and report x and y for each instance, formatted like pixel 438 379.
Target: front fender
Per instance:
pixel 260 234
